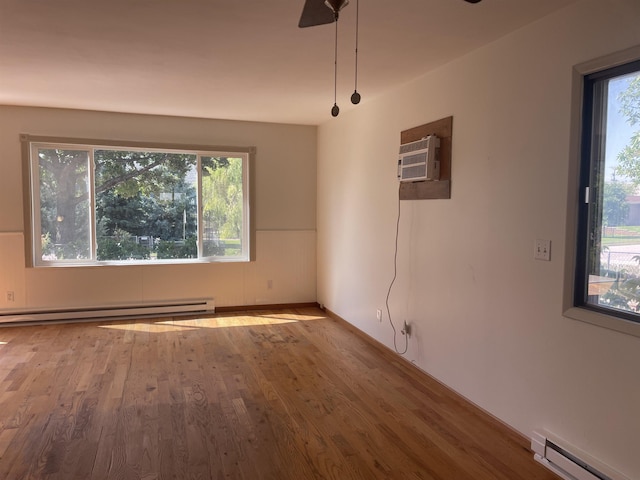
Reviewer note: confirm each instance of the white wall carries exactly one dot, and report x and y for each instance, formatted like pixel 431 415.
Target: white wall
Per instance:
pixel 285 216
pixel 487 317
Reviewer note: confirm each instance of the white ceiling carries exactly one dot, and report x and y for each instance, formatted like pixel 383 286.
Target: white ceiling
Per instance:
pixel 233 59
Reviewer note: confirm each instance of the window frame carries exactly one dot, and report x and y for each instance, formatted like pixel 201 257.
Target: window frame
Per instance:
pixel 580 165
pixel 31 197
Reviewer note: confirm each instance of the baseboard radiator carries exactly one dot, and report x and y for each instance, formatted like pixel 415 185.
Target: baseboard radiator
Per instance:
pixel 568 462
pixel 143 309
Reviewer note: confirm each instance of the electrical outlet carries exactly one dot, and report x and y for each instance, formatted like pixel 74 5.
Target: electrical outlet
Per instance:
pixel 542 250
pixel 10 296
pixel 269 284
pixel 406 329
pixel 379 315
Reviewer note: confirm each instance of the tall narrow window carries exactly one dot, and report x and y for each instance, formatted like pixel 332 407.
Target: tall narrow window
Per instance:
pixel 223 210
pixel 64 203
pixel 95 204
pixel 608 267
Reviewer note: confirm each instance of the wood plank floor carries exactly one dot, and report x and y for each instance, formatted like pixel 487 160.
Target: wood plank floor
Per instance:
pixel 263 395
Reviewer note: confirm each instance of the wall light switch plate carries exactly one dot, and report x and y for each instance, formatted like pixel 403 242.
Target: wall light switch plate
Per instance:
pixel 542 250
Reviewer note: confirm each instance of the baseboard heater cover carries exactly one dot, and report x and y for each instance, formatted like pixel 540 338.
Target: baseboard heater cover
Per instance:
pixel 145 309
pixel 568 462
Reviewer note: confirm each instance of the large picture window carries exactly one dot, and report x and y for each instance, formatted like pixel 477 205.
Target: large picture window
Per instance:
pixel 94 204
pixel 608 255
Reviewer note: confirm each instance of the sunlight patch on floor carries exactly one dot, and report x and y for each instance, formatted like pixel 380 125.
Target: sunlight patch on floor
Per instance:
pixel 169 326
pixel 237 321
pixel 147 327
pixel 296 317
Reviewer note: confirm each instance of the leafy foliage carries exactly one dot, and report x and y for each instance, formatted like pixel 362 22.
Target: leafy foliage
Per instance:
pixel 615 208
pixel 145 203
pixel 63 218
pixel 629 157
pixel 629 101
pixel 122 246
pixel 223 200
pixel 186 249
pixel 624 294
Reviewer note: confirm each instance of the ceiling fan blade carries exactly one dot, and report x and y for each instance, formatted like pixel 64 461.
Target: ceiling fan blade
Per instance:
pixel 315 12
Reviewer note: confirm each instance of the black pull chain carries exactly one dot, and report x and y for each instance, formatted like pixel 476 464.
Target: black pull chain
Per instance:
pixel 355 96
pixel 335 110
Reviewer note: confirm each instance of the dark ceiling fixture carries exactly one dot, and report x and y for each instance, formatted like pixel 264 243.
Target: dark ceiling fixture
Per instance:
pixel 322 12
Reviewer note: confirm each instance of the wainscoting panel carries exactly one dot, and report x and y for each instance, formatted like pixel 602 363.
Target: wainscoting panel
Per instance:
pixel 285 268
pixel 284 272
pixel 12 289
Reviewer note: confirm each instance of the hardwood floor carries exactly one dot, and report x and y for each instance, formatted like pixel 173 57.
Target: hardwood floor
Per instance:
pixel 263 395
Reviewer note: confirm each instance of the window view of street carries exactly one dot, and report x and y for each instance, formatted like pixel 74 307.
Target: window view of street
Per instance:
pixel 614 253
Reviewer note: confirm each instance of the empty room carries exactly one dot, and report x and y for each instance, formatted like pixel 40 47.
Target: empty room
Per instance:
pixel 320 240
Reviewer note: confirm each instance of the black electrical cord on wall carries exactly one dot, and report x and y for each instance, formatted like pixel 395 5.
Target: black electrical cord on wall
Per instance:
pixel 395 275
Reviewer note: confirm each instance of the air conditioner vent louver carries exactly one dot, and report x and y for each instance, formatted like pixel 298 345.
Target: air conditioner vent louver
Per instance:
pixel 413 159
pixel 414 146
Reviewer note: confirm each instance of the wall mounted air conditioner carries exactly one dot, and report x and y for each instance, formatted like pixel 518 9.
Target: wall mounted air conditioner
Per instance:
pixel 419 161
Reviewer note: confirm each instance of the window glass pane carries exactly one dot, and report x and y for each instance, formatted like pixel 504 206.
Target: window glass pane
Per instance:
pixel 222 209
pixel 145 205
pixel 614 214
pixel 126 204
pixel 64 204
